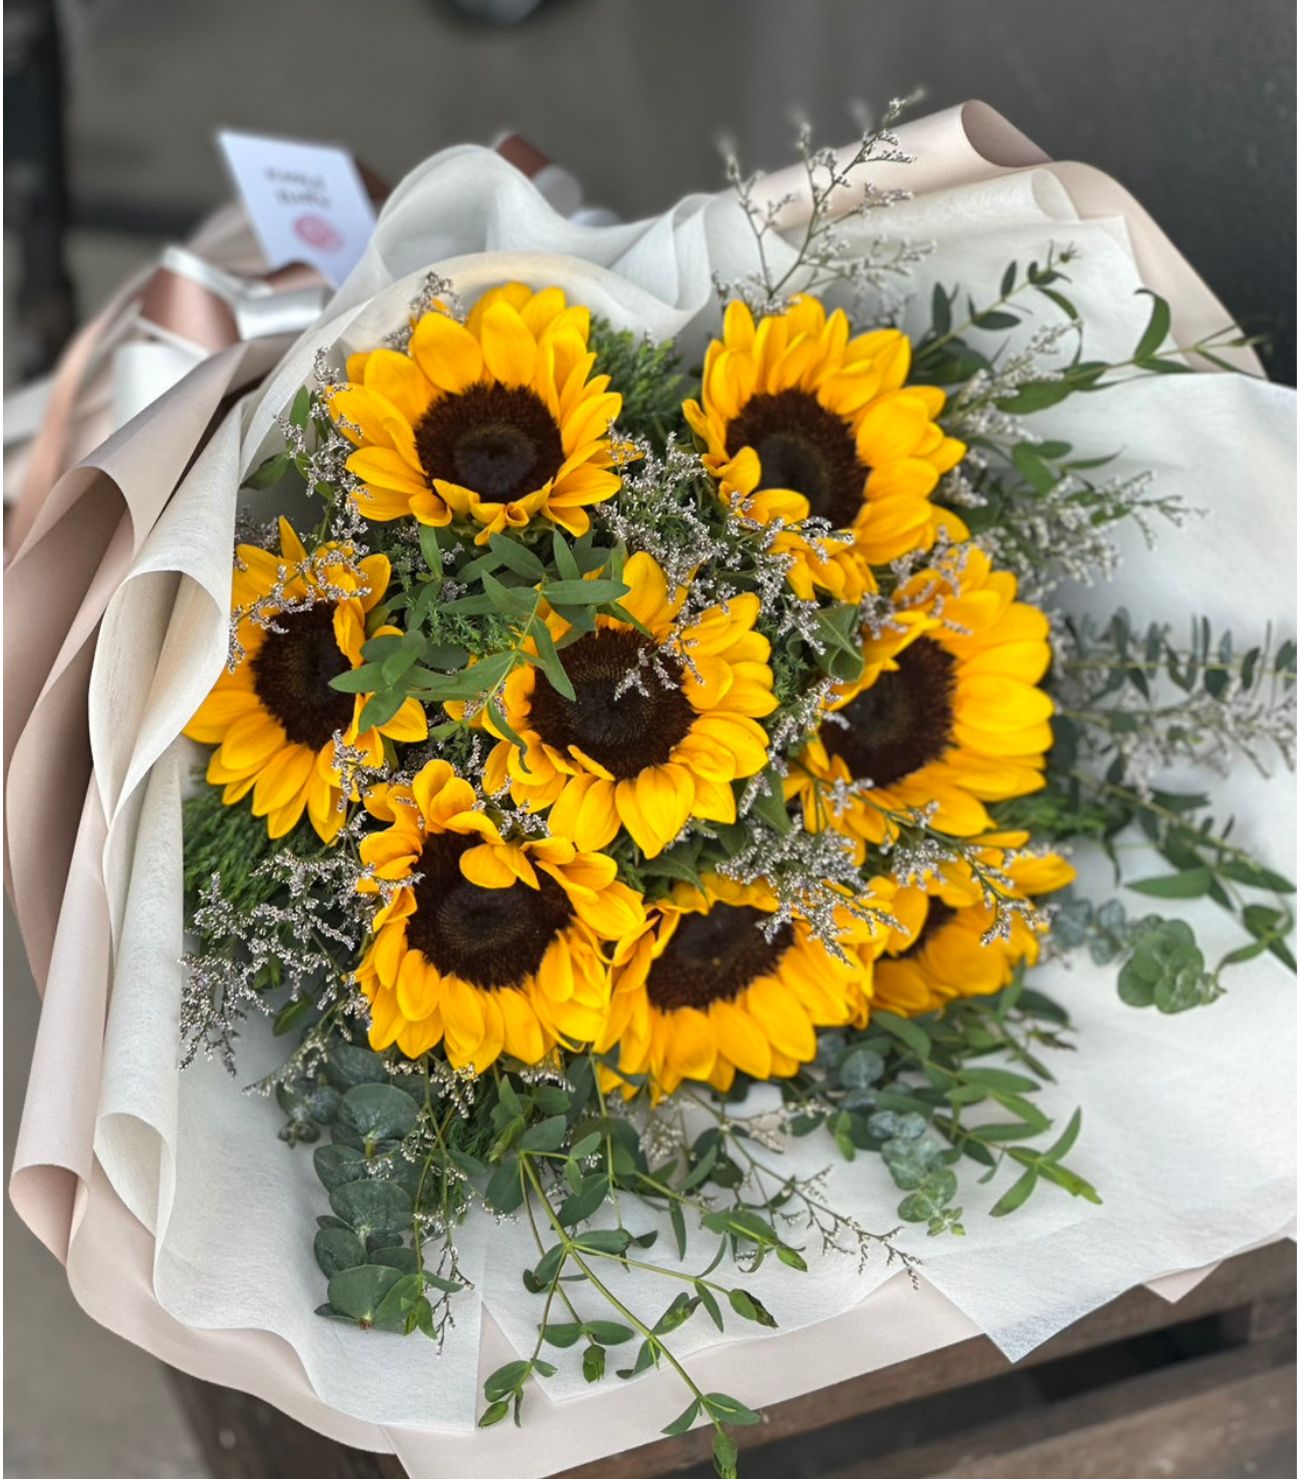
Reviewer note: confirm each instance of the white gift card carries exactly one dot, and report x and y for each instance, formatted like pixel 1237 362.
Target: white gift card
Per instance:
pixel 306 201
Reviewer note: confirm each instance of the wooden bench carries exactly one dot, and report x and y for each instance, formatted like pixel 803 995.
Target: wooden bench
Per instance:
pixel 1202 1389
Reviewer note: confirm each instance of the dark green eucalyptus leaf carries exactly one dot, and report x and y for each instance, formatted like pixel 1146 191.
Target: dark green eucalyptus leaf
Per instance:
pixel 359 1292
pixel 372 1206
pixel 337 1248
pixel 379 1112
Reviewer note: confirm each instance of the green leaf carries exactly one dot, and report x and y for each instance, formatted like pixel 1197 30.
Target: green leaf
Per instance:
pixel 1017 1195
pixel 269 472
pixel 1157 329
pixel 380 708
pixel 608 1332
pixel 291 1014
pixel 1032 467
pixel 478 678
pixel 748 1307
pixel 684 1421
pixel 431 550
pixel 612 1240
pixel 940 311
pixel 494 1413
pixel 400 1258
pixel 710 1303
pixel 770 802
pixel 1000 1078
pixel 584 592
pixel 505 1190
pixel 548 659
pixel 563 556
pixel 371 1206
pixel 300 410
pixel 593 1363
pixel 517 557
pixel 1062 1147
pixel 562 1336
pixel 585 1201
pixel 359 1292
pixel 379 1112
pixel 679 1224
pixel 1241 870
pixel 725 1454
pixel 547 1134
pixel 508 599
pixel 838 631
pixel 337 1248
pixel 409 651
pixel 912 1036
pixel 349 1064
pixel 505 1379
pixel 994 318
pixel 400 1300
pixel 731 1410
pixel 1038 395
pixel 1192 883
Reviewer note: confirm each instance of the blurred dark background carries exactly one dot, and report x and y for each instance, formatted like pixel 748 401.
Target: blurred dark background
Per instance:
pixel 1190 103
pixel 110 108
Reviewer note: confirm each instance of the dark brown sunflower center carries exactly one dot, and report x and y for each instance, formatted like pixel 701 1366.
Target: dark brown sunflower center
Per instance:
pixel 623 728
pixel 938 915
pixel 902 722
pixel 498 440
pixel 292 673
pixel 490 937
pixel 714 956
pixel 803 446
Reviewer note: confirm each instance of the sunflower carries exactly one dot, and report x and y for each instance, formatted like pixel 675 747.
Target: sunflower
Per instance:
pixel 797 419
pixel 660 726
pixel 941 952
pixel 274 718
pixel 702 991
pixel 497 421
pixel 486 945
pixel 947 713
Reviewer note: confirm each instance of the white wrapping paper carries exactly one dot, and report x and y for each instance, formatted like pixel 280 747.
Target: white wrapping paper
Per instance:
pixel 1191 1167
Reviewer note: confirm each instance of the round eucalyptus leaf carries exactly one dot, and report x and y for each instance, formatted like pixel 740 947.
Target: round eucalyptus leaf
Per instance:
pixel 349 1064
pixel 371 1206
pixel 358 1292
pixel 322 1103
pixel 337 1248
pixel 338 1164
pixel 860 1068
pixel 402 1259
pixel 378 1112
pixel 381 1242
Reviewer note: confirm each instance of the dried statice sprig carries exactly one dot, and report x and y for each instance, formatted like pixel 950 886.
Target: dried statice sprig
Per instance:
pixel 668 506
pixel 814 877
pixel 317 573
pixel 306 935
pixel 1141 697
pixel 436 293
pixel 797 1201
pixel 823 256
pixel 917 854
pixel 1065 534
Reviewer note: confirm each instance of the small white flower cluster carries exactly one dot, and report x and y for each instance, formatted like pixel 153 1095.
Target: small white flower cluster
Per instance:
pixel 825 257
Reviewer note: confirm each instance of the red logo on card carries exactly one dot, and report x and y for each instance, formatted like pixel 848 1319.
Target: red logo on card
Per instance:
pixel 316 231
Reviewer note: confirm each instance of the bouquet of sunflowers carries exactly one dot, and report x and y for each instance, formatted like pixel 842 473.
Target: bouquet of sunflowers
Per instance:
pixel 618 738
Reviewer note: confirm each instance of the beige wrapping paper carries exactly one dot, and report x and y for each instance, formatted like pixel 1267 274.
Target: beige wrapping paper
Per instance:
pixel 70 848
